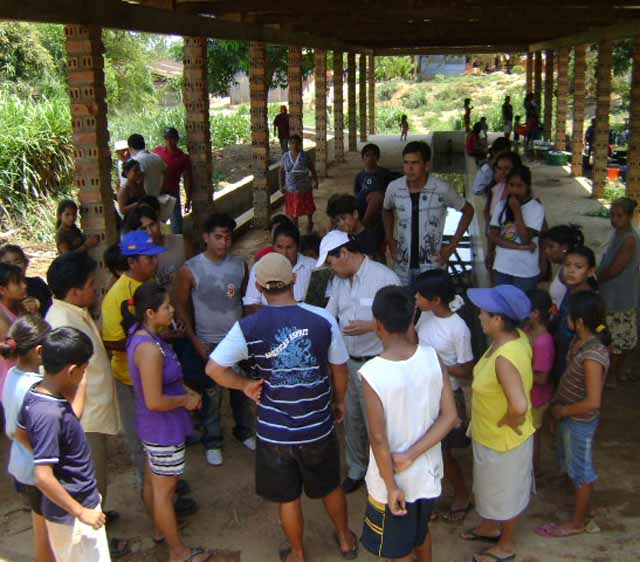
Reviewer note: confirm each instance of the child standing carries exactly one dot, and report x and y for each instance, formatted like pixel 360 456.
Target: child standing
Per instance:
pixel 576 405
pixel 467 114
pixel 556 243
pixel 404 128
pixel 69 237
pixel 441 328
pixel 25 342
pixel 516 129
pixel 410 409
pixel 64 472
pixel 515 225
pixel 343 210
pixel 543 357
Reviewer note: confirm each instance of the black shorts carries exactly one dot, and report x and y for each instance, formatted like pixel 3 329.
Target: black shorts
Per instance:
pixel 390 536
pixel 31 496
pixel 282 471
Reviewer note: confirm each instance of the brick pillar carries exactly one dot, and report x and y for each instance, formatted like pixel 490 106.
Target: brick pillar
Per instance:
pixel 603 106
pixel 259 134
pixel 294 76
pixel 363 98
pixel 548 93
pixel 372 95
pixel 92 156
pixel 529 82
pixel 321 111
pixel 577 134
pixel 633 158
pixel 351 104
pixel 338 106
pixel 195 95
pixel 537 79
pixel 563 97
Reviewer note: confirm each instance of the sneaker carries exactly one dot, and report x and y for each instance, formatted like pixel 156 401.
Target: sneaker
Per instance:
pixel 250 443
pixel 214 457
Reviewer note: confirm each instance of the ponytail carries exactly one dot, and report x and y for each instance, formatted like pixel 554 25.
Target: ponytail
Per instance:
pixel 590 308
pixel 25 334
pixel 149 296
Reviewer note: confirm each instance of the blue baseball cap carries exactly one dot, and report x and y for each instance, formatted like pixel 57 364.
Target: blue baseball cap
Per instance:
pixel 502 299
pixel 139 243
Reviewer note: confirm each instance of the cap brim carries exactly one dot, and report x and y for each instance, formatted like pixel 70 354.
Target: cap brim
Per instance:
pixel 154 251
pixel 484 299
pixel 321 259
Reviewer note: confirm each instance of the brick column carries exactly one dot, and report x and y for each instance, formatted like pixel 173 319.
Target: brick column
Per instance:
pixel 563 97
pixel 633 157
pixel 259 134
pixel 537 79
pixel 603 106
pixel 577 134
pixel 351 104
pixel 338 106
pixel 92 156
pixel 529 83
pixel 363 98
pixel 294 76
pixel 320 56
pixel 195 95
pixel 372 95
pixel 548 93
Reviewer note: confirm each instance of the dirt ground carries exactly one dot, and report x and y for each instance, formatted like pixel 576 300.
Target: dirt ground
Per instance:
pixel 242 527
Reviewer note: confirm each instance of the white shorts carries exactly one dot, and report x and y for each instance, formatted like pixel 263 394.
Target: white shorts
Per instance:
pixel 78 542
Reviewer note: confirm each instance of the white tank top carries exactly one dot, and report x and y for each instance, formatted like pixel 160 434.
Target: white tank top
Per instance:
pixel 410 393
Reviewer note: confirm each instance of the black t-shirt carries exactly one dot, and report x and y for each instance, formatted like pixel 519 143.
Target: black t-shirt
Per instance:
pixel 370 182
pixel 281 122
pixel 367 241
pixel 414 262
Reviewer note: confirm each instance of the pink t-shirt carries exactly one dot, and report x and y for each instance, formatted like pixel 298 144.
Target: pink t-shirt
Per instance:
pixel 544 353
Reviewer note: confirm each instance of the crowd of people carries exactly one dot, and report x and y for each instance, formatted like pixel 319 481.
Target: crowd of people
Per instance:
pixel 363 326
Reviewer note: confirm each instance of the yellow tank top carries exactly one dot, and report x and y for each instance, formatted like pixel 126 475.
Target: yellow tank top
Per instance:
pixel 489 402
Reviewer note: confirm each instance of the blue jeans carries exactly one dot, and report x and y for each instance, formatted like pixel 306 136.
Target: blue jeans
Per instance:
pixel 524 283
pixel 575 450
pixel 176 217
pixel 193 368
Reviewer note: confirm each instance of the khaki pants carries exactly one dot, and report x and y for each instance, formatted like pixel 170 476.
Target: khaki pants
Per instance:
pixel 78 542
pixel 355 425
pixel 98 445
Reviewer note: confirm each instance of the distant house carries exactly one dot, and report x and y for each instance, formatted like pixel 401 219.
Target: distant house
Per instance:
pixel 447 65
pixel 165 74
pixel 239 91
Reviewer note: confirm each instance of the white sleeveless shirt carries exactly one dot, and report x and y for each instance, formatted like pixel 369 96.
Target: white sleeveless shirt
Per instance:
pixel 410 393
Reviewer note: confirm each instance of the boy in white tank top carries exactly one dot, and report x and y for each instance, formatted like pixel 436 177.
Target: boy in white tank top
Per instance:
pixel 410 409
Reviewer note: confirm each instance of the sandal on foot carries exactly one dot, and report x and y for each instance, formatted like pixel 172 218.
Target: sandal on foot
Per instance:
pixel 471 535
pixel 195 552
pixel 349 554
pixel 553 531
pixel 457 513
pixel 118 547
pixel 283 553
pixel 493 556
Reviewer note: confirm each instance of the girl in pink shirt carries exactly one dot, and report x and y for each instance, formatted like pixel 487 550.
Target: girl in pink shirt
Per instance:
pixel 13 290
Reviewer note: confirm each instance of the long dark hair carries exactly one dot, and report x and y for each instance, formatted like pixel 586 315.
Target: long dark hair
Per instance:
pixel 149 296
pixel 591 309
pixel 524 173
pixel 569 235
pixel 25 334
pixel 62 207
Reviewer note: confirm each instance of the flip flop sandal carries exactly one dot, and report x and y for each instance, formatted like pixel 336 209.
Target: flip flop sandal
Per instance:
pixel 471 535
pixel 351 554
pixel 283 553
pixel 553 531
pixel 118 547
pixel 197 552
pixel 493 557
pixel 457 514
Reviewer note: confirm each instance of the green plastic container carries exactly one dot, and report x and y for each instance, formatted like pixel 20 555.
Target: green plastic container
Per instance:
pixel 557 158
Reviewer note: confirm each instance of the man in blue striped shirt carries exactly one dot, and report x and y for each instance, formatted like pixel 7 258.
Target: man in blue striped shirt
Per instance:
pixel 298 363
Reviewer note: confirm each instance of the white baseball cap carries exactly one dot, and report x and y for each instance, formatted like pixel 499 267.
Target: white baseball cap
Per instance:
pixel 121 145
pixel 331 241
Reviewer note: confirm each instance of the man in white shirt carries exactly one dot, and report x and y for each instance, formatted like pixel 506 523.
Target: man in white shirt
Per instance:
pixel 153 166
pixel 356 282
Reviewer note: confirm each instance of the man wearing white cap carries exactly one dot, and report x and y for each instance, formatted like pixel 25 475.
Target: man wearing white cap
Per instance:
pixel 298 362
pixel 357 280
pixel 121 149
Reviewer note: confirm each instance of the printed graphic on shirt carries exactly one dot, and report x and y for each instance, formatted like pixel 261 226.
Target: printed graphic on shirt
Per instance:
pixel 293 358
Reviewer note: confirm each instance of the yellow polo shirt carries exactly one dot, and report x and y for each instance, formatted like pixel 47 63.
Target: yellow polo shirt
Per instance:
pixel 112 330
pixel 489 402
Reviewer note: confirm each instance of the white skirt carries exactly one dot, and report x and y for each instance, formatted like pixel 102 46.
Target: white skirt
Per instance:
pixel 502 481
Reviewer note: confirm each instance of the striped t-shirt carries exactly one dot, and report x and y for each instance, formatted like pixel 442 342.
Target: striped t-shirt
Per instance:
pixel 572 387
pixel 289 347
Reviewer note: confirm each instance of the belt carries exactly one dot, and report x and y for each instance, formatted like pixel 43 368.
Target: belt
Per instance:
pixel 361 359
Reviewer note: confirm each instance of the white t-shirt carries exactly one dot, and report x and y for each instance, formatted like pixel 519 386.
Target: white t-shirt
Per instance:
pixel 410 393
pixel 557 289
pixel 483 179
pixel 303 268
pixel 519 263
pixel 153 167
pixel 450 337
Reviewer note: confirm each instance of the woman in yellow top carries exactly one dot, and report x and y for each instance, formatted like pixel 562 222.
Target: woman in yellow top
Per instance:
pixel 501 426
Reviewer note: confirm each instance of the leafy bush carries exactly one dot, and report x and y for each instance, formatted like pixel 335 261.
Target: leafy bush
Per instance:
pixel 518 69
pixel 415 98
pixel 388 68
pixel 388 119
pixel 386 90
pixel 614 190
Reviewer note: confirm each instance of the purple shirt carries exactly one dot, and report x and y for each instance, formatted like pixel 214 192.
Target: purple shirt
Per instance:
pixel 58 440
pixel 159 428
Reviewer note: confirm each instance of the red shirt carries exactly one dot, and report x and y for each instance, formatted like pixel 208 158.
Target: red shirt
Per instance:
pixel 177 164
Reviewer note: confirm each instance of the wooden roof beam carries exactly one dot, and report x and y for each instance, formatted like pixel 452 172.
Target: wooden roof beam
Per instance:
pixel 449 50
pixel 612 33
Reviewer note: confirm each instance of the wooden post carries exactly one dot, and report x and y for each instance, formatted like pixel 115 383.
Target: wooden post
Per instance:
pixel 563 98
pixel 633 157
pixel 92 156
pixel 195 95
pixel 603 106
pixel 537 80
pixel 351 104
pixel 321 111
pixel 548 93
pixel 577 134
pixel 529 83
pixel 372 95
pixel 363 98
pixel 338 106
pixel 294 76
pixel 259 134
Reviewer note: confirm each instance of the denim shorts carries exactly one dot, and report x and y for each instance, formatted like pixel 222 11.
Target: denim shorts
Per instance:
pixel 575 450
